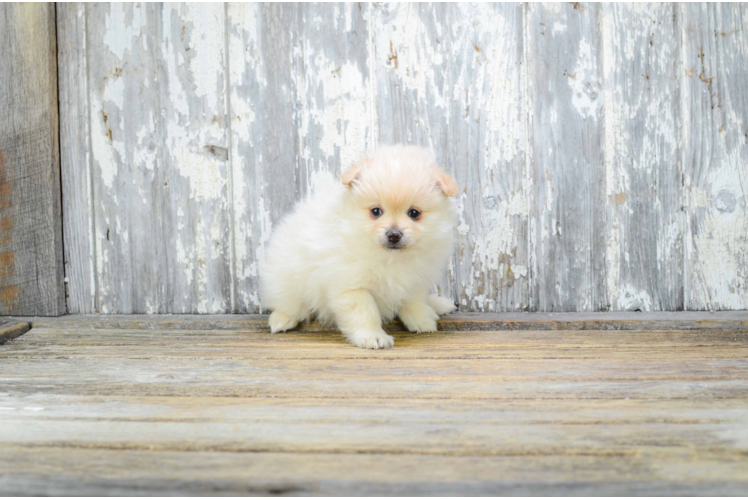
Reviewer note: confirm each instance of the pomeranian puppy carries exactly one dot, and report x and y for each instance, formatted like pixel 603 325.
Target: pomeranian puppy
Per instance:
pixel 360 252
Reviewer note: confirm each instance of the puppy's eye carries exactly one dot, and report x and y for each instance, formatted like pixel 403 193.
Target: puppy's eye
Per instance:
pixel 413 213
pixel 376 211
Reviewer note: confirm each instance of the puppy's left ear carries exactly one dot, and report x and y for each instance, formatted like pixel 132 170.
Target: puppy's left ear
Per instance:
pixel 350 175
pixel 445 182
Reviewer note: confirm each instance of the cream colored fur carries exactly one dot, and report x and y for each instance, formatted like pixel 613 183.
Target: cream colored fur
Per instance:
pixel 330 258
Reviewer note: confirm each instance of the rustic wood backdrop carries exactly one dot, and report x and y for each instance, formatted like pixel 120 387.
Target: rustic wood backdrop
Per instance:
pixel 601 150
pixel 31 265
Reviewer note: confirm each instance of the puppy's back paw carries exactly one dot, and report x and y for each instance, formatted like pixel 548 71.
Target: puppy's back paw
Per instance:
pixel 280 322
pixel 418 317
pixel 372 340
pixel 441 305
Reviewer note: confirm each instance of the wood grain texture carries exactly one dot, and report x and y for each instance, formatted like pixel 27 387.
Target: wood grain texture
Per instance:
pixel 335 97
pixel 565 82
pixel 271 474
pixel 264 136
pixel 160 163
pixel 656 321
pixel 715 136
pixel 195 412
pixel 643 174
pixel 577 134
pixel 75 159
pixel 11 329
pixel 31 260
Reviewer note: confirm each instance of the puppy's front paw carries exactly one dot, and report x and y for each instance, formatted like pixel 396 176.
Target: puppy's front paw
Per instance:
pixel 372 340
pixel 280 322
pixel 441 305
pixel 418 317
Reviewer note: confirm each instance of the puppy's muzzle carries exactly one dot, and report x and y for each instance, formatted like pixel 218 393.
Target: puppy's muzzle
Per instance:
pixel 394 236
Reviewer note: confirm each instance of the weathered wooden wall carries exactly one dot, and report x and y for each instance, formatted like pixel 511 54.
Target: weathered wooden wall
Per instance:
pixel 602 149
pixel 31 267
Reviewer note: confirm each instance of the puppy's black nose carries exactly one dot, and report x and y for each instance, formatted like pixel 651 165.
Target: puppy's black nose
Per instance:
pixel 394 235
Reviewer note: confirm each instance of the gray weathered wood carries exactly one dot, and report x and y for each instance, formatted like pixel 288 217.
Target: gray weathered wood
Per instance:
pixel 128 411
pixel 75 159
pixel 362 426
pixel 263 57
pixel 11 329
pixel 565 80
pixel 579 136
pixel 724 320
pixel 335 78
pixel 31 260
pixel 643 175
pixel 715 140
pixel 159 143
pixel 160 473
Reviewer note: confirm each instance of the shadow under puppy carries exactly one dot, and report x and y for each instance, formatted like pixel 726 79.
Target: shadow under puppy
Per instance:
pixel 358 253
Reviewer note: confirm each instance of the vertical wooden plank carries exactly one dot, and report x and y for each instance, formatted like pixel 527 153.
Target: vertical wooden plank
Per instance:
pixel 487 142
pixel 263 57
pixel 75 151
pixel 568 223
pixel 642 161
pixel 122 47
pixel 715 139
pixel 195 118
pixel 160 157
pixel 31 260
pixel 334 90
pixel 449 77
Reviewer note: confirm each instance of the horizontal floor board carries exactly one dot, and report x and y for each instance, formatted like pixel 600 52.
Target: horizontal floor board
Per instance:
pixel 332 344
pixel 136 472
pixel 205 409
pixel 433 391
pixel 199 370
pixel 657 320
pixel 197 425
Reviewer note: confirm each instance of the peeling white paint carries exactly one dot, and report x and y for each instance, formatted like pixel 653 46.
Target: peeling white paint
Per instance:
pixel 460 86
pixel 558 28
pixel 106 139
pixel 186 262
pixel 402 46
pixel 344 116
pixel 630 299
pixel 207 175
pixel 641 145
pixel 206 64
pixel 119 33
pixel 200 261
pixel 266 226
pixel 583 82
pixel 520 271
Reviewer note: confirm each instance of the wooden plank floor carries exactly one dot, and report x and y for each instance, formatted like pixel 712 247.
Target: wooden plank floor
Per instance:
pixel 133 406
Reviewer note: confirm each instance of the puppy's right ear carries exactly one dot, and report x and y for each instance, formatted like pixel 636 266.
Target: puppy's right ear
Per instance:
pixel 445 182
pixel 349 176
